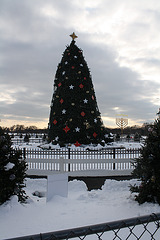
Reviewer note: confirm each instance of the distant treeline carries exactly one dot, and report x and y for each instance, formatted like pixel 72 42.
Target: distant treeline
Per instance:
pixel 22 129
pixel 141 130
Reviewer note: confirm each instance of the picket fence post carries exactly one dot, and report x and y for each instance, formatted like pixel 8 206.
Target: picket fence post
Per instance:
pixel 61 164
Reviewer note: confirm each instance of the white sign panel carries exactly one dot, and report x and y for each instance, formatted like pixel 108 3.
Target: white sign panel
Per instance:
pixel 57 184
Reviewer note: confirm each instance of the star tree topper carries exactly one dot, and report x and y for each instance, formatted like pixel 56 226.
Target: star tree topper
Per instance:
pixel 73 36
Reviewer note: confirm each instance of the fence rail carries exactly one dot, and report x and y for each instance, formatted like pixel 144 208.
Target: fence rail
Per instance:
pixel 144 227
pixel 80 153
pixel 30 140
pixel 81 162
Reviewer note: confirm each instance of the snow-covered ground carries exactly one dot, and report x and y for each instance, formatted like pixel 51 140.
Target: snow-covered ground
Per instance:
pixel 80 208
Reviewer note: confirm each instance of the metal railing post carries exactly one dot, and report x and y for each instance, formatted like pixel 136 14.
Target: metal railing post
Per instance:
pixel 114 156
pixel 24 153
pixel 69 157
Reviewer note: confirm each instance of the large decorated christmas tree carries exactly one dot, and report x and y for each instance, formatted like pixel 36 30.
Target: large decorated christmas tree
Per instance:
pixel 74 115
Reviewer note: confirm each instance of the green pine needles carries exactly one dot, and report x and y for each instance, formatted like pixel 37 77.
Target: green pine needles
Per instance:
pixel 147 168
pixel 74 114
pixel 12 171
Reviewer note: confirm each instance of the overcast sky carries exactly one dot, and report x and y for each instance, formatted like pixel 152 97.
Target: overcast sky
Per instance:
pixel 120 42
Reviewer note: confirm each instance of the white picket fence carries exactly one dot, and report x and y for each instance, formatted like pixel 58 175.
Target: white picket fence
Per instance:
pixel 80 167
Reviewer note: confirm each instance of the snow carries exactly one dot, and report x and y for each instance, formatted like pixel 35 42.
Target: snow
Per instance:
pixel 9 166
pixel 51 146
pixel 80 208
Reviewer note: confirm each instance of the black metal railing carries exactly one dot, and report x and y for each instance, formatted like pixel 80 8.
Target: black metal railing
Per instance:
pixel 144 227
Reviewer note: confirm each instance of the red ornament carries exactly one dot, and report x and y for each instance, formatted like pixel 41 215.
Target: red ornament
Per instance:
pixel 85 78
pixel 94 135
pixel 83 114
pixel 77 144
pixel 59 84
pixel 55 122
pixel 61 101
pixel 68 53
pixel 81 85
pixel 92 97
pixel 72 67
pixel 66 129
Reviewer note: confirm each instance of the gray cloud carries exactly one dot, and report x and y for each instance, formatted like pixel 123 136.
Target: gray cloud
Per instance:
pixel 34 35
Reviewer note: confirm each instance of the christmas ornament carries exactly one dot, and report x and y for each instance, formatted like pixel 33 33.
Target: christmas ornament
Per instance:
pixel 70 119
pixel 83 114
pixel 85 100
pixel 64 111
pixel 81 85
pixel 73 36
pixel 75 56
pixel 66 62
pixel 57 96
pixel 71 86
pixel 79 72
pixel 77 129
pixel 87 91
pixel 66 77
pixel 77 144
pixel 81 65
pixel 94 135
pixel 63 72
pixel 92 111
pixel 72 104
pixel 61 101
pixel 59 84
pixel 12 177
pixel 95 120
pixel 92 97
pixel 55 122
pixel 72 67
pixel 84 78
pixel 66 129
pixel 68 54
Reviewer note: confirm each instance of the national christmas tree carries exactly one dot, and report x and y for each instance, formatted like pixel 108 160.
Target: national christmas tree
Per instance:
pixel 12 170
pixel 74 115
pixel 147 167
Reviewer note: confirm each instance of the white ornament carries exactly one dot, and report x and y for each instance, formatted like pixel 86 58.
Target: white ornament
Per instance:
pixel 64 111
pixel 63 72
pixel 75 56
pixel 85 100
pixel 95 120
pixel 66 62
pixel 81 65
pixel 77 129
pixel 71 86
